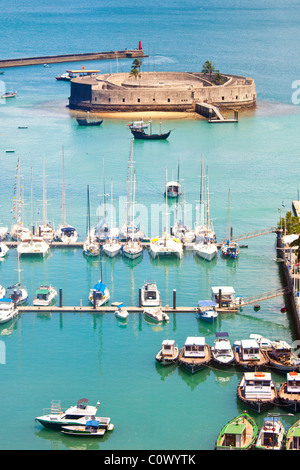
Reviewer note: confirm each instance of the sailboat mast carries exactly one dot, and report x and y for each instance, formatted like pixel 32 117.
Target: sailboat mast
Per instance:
pixel 166 206
pixel 207 200
pixel 63 201
pixel 44 194
pixel 111 210
pixel 88 221
pixel 229 236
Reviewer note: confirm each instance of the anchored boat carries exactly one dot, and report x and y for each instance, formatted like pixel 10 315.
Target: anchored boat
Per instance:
pixel 289 391
pixel 150 295
pixel 282 358
pixel 156 314
pixel 45 295
pixel 93 428
pixel 207 311
pixel 8 310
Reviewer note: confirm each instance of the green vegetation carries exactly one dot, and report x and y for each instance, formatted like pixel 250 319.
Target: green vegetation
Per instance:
pixel 209 68
pixel 135 68
pixel 290 224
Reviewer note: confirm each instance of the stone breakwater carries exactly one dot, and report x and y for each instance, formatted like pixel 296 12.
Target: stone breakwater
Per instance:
pixel 159 91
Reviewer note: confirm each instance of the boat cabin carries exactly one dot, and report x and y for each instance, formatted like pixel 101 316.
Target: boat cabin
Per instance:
pixel 42 293
pixel 194 347
pixel 249 350
pixel 293 382
pixel 168 347
pixel 294 443
pixel 270 432
pixel 235 435
pixel 173 189
pixel 281 350
pixel 258 385
pixel 223 296
pixel 150 294
pixel 68 231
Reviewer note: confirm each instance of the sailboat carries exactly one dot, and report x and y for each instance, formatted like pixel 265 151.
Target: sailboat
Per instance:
pixel 18 230
pixel 65 232
pixel 129 229
pixel 99 294
pixel 133 247
pixel 112 247
pixel 202 230
pixel 17 293
pixel 230 249
pixel 205 246
pixel 167 244
pixel 182 230
pixel 90 247
pixel 45 230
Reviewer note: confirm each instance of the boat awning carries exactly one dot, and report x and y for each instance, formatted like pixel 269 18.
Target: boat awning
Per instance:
pixel 195 340
pixel 100 287
pixel 42 291
pixel 222 335
pixel 68 229
pixel 235 428
pixel 249 343
pixel 206 303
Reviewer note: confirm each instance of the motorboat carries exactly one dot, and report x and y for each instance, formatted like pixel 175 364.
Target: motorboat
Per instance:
pixel 8 310
pixel 156 314
pixel 99 294
pixel 271 435
pixel 3 249
pixel 138 125
pixel 96 427
pixel 173 189
pixel 289 391
pixel 66 234
pixel 150 296
pixel 240 433
pixel 282 358
pixel 230 249
pixel 257 390
pixel 64 77
pixel 45 295
pixel 249 356
pixel 222 353
pixel 226 298
pixel 121 313
pixel 195 354
pixel 168 353
pixel 33 246
pixel 55 418
pixel 207 311
pixel 264 343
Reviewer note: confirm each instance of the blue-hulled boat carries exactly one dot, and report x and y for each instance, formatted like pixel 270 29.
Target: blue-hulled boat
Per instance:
pixel 207 310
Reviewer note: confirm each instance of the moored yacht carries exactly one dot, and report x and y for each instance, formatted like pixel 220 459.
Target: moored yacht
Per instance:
pixel 207 311
pixel 33 246
pixel 66 234
pixel 45 295
pixel 8 310
pixel 99 294
pixel 56 418
pixel 156 314
pixel 222 352
pixel 150 295
pixel 17 294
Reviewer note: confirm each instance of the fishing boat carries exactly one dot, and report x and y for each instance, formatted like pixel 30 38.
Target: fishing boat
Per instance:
pixel 168 353
pixel 230 248
pixel 240 433
pixel 173 187
pixel 282 358
pixel 156 314
pixel 292 441
pixel 8 310
pixel 222 353
pixel 289 391
pixel 3 249
pixel 45 230
pixel 96 427
pixel 150 296
pixel 226 298
pixel 65 233
pixel 249 356
pixel 271 435
pixel 88 122
pixel 90 247
pixel 207 311
pixel 121 313
pixel 33 246
pixel 141 134
pixel 55 418
pixel 44 295
pixel 257 390
pixel 195 354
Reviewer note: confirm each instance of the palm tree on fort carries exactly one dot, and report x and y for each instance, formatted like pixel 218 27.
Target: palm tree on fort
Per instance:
pixel 209 67
pixel 135 68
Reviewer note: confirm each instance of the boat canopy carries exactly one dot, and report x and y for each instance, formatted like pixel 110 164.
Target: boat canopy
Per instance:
pixel 68 229
pixel 100 287
pixel 42 291
pixel 93 423
pixel 6 300
pixel 195 341
pixel 207 303
pixel 222 335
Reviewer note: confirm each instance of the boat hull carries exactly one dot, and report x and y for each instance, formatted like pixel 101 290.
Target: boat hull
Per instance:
pixel 252 433
pixel 167 360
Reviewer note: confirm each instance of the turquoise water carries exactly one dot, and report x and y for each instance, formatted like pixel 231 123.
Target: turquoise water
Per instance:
pixel 69 356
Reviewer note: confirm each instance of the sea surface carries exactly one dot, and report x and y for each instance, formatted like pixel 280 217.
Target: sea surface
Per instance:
pixel 69 356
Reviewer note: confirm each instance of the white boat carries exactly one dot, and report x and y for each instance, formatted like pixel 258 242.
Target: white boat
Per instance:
pixel 271 435
pixel 203 230
pixel 207 311
pixel 45 295
pixel 138 125
pixel 225 297
pixel 289 392
pixel 99 294
pixel 55 418
pixel 121 313
pixel 17 294
pixel 257 390
pixel 3 232
pixel 173 188
pixel 222 352
pixel 33 246
pixel 2 292
pixel 183 232
pixel 206 250
pixel 95 427
pixel 91 247
pixel 150 295
pixel 230 248
pixel 112 247
pixel 8 310
pixel 65 232
pixel 3 249
pixel 168 353
pixel 264 343
pixel 45 229
pixel 18 231
pixel 282 358
pixel 248 355
pixel 132 249
pixel 156 314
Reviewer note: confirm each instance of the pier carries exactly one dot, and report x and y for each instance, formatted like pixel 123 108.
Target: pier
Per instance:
pixel 53 59
pixel 213 114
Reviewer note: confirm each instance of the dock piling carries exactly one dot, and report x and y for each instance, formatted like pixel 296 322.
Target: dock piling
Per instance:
pixel 140 298
pixel 174 299
pixel 60 298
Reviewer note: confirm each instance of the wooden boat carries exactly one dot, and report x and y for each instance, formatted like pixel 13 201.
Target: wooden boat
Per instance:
pixel 282 358
pixel 139 133
pixel 96 427
pixel 168 354
pixel 293 437
pixel 289 391
pixel 195 354
pixel 222 353
pixel 249 356
pixel 86 122
pixel 271 434
pixel 238 434
pixel 257 390
pixel 57 418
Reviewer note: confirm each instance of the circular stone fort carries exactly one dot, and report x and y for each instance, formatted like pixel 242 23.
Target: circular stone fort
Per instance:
pixel 160 91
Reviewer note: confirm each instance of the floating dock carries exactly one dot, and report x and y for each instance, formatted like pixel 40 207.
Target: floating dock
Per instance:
pixel 53 59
